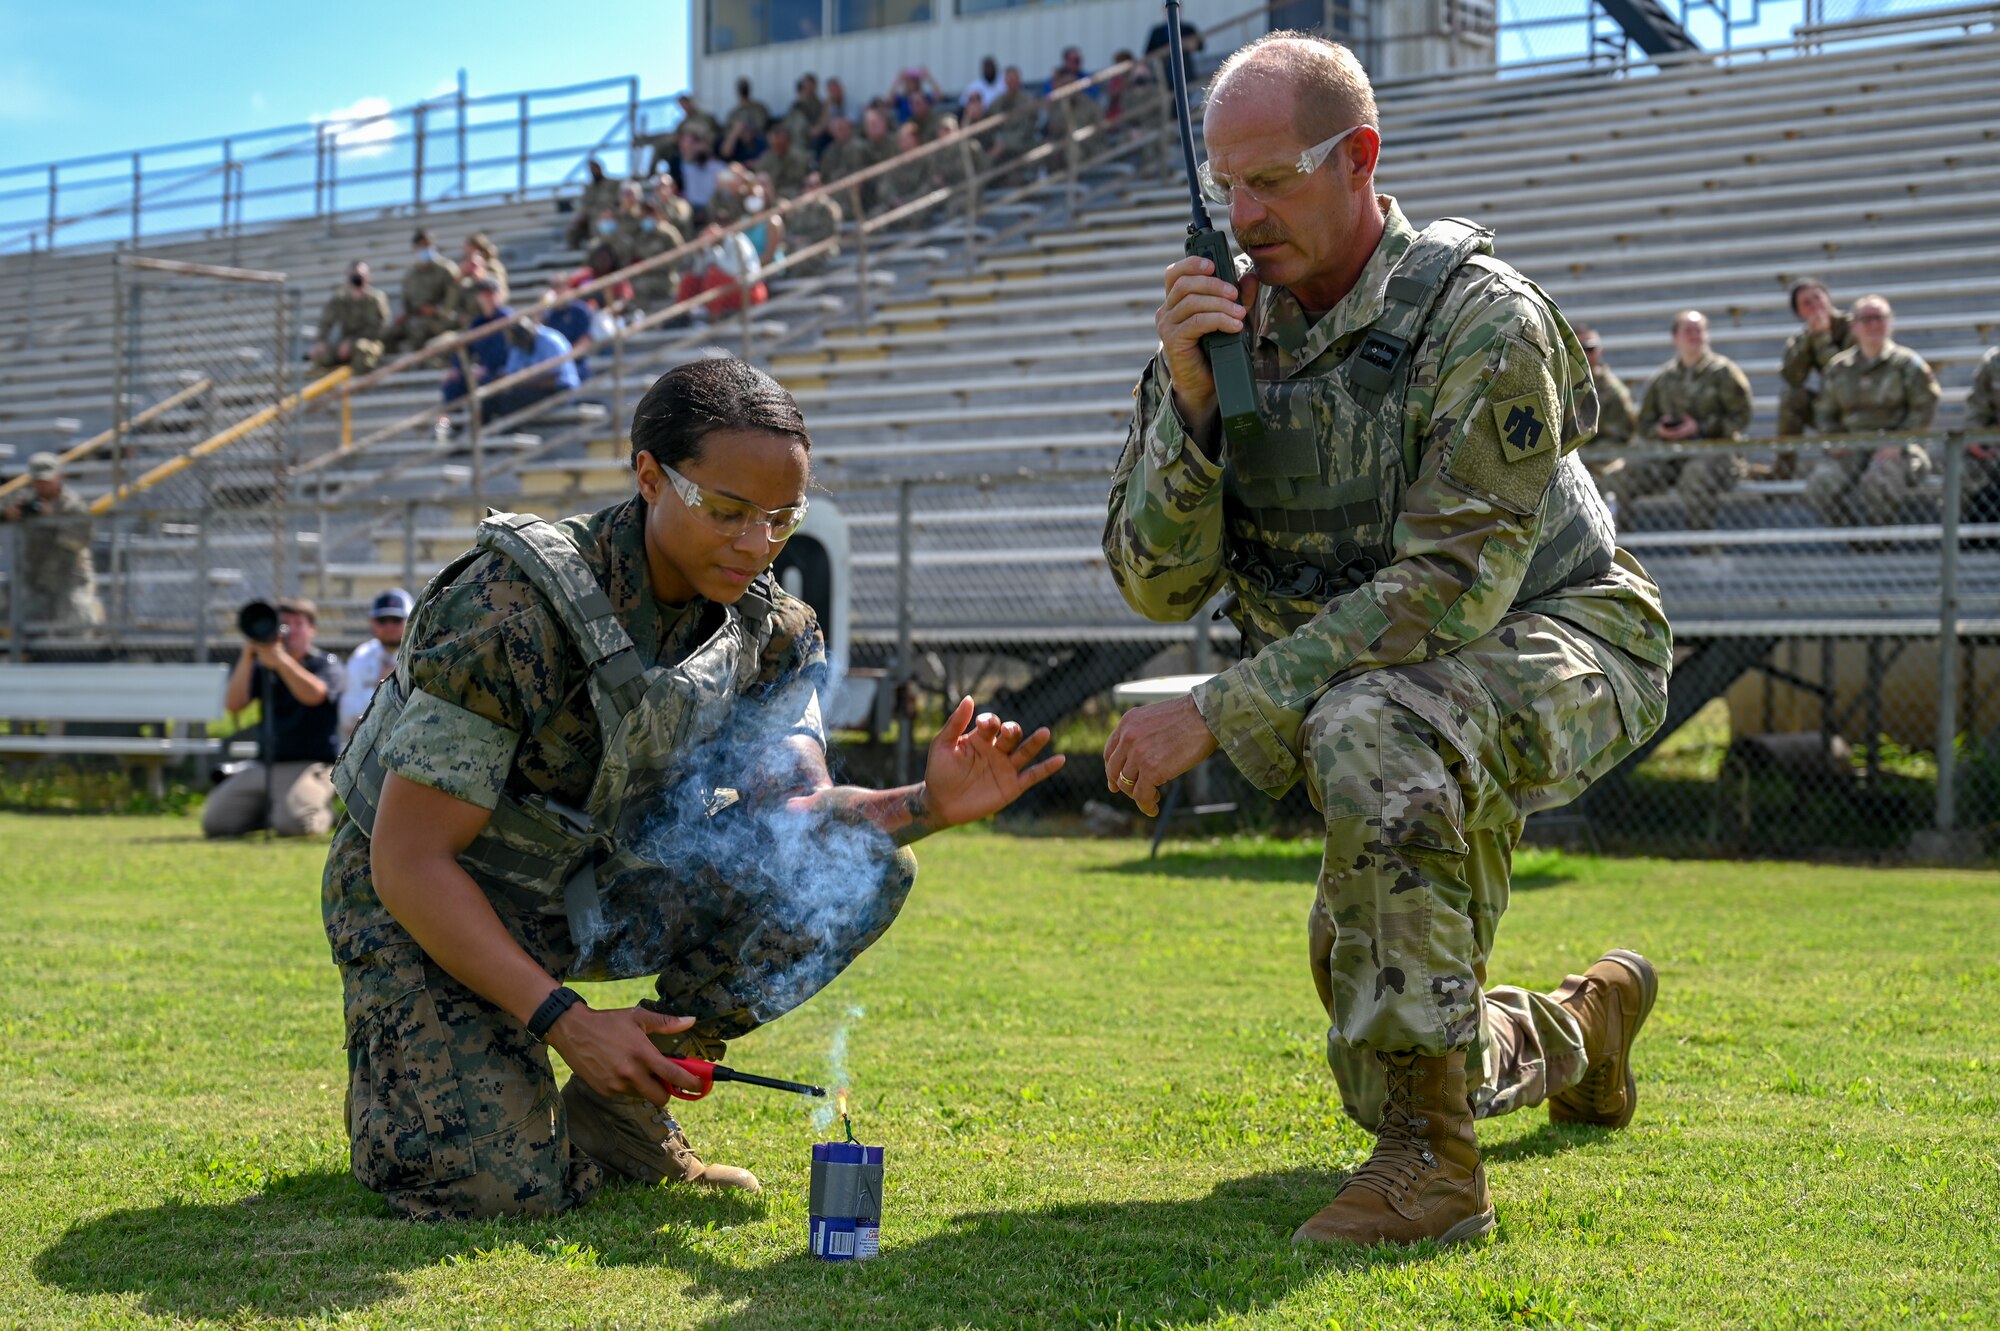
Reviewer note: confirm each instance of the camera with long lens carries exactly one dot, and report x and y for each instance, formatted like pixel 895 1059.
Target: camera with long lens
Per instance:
pixel 258 621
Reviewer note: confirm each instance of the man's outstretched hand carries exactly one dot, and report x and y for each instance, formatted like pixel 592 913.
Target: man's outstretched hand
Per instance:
pixel 978 767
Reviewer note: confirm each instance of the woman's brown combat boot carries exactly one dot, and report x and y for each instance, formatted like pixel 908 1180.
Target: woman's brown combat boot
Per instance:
pixel 1424 1180
pixel 639 1141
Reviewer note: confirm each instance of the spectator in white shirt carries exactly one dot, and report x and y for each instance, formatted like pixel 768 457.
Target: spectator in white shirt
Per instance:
pixel 375 660
pixel 987 85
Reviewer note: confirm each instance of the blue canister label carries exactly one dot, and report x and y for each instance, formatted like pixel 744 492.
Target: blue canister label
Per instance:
pixel 845 1203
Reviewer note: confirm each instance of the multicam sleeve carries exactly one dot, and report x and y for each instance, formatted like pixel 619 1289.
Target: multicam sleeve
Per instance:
pixel 487 667
pixel 1982 404
pixel 1733 404
pixel 1504 408
pixel 1797 365
pixel 1163 527
pixel 1920 390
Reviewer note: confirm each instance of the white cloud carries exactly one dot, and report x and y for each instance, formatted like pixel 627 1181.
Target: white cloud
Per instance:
pixel 24 97
pixel 357 131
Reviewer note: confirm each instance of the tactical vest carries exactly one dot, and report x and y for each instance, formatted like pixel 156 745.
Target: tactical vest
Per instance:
pixel 1310 509
pixel 536 851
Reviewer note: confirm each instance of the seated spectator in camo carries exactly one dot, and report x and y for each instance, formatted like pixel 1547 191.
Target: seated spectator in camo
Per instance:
pixel 430 290
pixel 785 163
pixel 1617 421
pixel 471 273
pixel 290 786
pixel 743 135
pixel 609 235
pixel 599 192
pixel 353 325
pixel 910 180
pixel 668 150
pixel 1824 333
pixel 844 154
pixel 1023 111
pixel 1696 395
pixel 530 343
pixel 600 263
pixel 673 209
pixel 485 355
pixel 804 112
pixel 482 255
pixel 1875 386
pixel 575 317
pixel 810 223
pixel 1131 92
pixel 833 107
pixel 655 287
pixel 1076 113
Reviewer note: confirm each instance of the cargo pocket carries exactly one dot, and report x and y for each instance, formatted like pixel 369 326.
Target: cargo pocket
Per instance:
pixel 406 1122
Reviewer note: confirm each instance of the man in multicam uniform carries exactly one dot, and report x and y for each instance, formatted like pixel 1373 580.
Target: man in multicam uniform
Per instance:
pixel 571 704
pixel 1875 385
pixel 1697 395
pixel 1981 488
pixel 1824 333
pixel 1441 636
pixel 1617 419
pixel 352 325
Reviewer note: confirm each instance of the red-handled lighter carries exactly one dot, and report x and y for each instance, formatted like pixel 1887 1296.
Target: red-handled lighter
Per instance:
pixel 710 1073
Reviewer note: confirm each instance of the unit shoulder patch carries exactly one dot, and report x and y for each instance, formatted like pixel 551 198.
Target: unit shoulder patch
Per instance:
pixel 1524 425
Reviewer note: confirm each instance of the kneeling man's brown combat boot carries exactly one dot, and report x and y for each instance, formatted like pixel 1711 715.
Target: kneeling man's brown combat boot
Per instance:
pixel 641 1142
pixel 1610 1001
pixel 1424 1180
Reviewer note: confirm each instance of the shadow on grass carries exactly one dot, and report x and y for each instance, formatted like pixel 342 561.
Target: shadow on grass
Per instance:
pixel 318 1242
pixel 1300 864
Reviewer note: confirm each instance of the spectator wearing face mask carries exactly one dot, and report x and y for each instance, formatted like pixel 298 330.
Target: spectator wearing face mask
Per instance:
pixel 352 325
pixel 599 192
pixel 655 236
pixel 430 288
pixel 530 344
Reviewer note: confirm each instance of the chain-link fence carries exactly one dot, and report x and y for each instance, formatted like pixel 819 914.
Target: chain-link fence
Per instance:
pixel 228 335
pixel 1810 587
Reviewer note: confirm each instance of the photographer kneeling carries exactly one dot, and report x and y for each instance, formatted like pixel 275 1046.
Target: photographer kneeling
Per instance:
pixel 290 787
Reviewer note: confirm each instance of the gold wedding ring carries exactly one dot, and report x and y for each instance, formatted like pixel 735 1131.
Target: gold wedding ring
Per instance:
pixel 1127 782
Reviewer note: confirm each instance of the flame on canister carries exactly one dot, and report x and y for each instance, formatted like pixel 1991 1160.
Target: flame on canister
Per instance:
pixel 843 1102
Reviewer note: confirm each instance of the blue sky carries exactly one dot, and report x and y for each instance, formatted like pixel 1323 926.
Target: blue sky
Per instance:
pixel 87 76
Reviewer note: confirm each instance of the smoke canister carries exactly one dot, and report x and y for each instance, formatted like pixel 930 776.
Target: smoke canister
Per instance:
pixel 845 1204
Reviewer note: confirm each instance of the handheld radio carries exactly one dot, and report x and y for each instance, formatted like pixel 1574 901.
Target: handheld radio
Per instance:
pixel 1228 353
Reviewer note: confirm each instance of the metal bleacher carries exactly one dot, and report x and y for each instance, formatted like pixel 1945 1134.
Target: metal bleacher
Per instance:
pixel 998 384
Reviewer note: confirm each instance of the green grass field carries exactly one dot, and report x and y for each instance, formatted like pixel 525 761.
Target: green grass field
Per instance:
pixel 1101 1085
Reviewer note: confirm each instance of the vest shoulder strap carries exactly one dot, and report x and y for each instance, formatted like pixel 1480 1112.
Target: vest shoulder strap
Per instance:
pixel 1381 363
pixel 557 570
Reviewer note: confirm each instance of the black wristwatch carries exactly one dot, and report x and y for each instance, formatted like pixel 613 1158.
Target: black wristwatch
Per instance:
pixel 560 1000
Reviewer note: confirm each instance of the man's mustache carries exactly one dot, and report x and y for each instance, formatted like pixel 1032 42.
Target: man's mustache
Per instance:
pixel 1254 237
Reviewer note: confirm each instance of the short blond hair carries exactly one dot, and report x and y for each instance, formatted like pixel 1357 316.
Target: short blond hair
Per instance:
pixel 1689 317
pixel 1329 87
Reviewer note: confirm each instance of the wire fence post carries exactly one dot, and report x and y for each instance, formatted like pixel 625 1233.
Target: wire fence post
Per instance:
pixel 900 684
pixel 417 157
pixel 17 592
pixel 1947 694
pixel 521 148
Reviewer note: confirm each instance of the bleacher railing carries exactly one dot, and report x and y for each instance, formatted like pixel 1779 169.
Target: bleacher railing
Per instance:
pixel 434 152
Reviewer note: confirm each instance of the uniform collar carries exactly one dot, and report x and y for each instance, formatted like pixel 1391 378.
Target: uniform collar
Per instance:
pixel 1862 359
pixel 1704 365
pixel 614 546
pixel 1282 320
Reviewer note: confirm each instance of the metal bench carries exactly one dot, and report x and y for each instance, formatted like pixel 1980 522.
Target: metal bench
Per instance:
pixel 174 698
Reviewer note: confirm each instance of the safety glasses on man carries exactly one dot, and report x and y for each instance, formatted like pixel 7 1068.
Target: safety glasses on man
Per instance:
pixel 730 516
pixel 1269 184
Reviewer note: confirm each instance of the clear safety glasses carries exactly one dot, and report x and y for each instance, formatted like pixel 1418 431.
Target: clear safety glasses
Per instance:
pixel 1271 183
pixel 732 517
